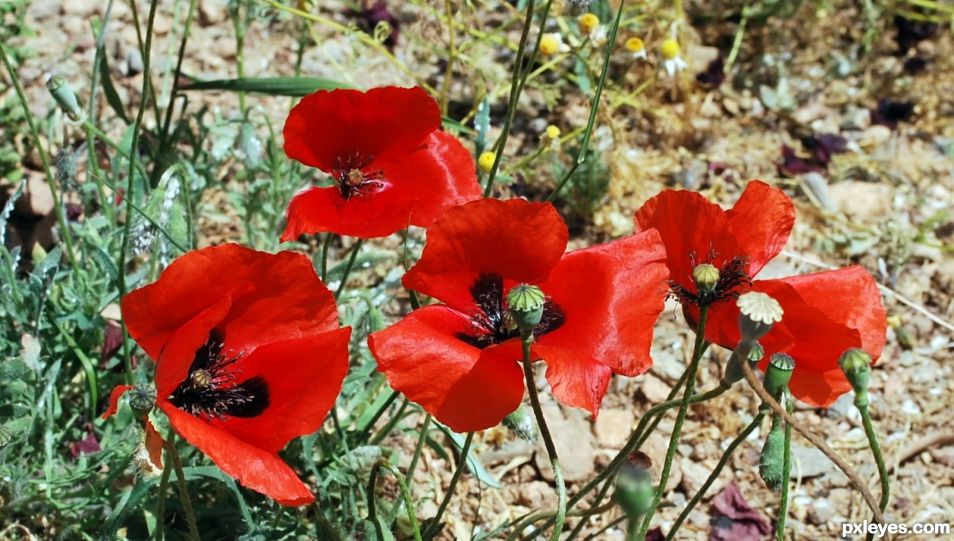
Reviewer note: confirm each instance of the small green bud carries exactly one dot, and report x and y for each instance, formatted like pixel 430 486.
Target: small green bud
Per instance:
pixel 772 461
pixel 63 93
pixel 757 313
pixel 141 400
pixel 778 374
pixel 526 306
pixel 634 490
pixel 706 276
pixel 733 368
pixel 522 424
pixel 856 364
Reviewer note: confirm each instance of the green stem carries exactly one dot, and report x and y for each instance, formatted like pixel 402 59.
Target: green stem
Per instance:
pixel 527 340
pixel 55 191
pixel 173 453
pixel 680 419
pixel 419 448
pixel 161 503
pixel 786 474
pixel 435 522
pixel 392 422
pixel 347 271
pixel 594 107
pixel 405 495
pixel 737 41
pixel 878 456
pixel 715 472
pixel 513 99
pixel 521 524
pixel 167 122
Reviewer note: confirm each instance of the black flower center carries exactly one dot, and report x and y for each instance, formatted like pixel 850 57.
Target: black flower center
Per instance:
pixel 354 179
pixel 493 324
pixel 210 390
pixel 732 277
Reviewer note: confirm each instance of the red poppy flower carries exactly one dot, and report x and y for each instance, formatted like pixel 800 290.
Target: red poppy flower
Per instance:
pixel 825 313
pixel 248 356
pixel 461 360
pixel 391 164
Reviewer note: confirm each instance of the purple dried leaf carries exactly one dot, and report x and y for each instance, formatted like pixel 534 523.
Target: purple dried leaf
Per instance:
pixel 86 446
pixel 793 164
pixel 714 74
pixel 733 519
pixel 890 112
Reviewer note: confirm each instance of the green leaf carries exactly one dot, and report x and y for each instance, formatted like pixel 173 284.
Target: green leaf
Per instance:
pixel 274 86
pixel 473 464
pixel 112 97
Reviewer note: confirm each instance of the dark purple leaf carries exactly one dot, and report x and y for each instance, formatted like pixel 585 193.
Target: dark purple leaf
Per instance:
pixel 910 32
pixel 655 534
pixel 889 112
pixel 822 146
pixel 112 341
pixel 914 65
pixel 733 519
pixel 87 445
pixel 793 164
pixel 714 74
pixel 373 12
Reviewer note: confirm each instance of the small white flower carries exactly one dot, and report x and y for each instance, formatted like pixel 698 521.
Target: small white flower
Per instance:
pixel 672 62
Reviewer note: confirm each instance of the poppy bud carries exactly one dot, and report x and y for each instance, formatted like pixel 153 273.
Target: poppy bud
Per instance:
pixel 63 94
pixel 522 424
pixel 772 460
pixel 856 364
pixel 526 306
pixel 634 490
pixel 141 400
pixel 706 276
pixel 778 374
pixel 758 312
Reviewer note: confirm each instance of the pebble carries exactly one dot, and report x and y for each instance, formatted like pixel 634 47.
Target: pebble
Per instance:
pixel 818 185
pixel 654 389
pixel 573 440
pixel 613 426
pixel 862 200
pixel 809 462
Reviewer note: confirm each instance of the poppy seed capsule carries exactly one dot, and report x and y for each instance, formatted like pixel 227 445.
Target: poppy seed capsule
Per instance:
pixel 856 364
pixel 757 313
pixel 772 460
pixel 526 304
pixel 706 276
pixel 141 400
pixel 63 93
pixel 756 353
pixel 778 374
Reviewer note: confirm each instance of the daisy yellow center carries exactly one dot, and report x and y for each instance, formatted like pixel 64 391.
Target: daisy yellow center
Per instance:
pixel 549 44
pixel 588 22
pixel 669 49
pixel 634 45
pixel 486 161
pixel 553 132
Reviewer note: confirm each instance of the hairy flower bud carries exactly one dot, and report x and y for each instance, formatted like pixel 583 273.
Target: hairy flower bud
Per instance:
pixel 526 304
pixel 758 312
pixel 772 460
pixel 522 424
pixel 778 374
pixel 856 364
pixel 63 94
pixel 634 489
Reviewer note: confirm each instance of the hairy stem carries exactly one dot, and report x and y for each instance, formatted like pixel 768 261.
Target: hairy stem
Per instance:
pixel 173 453
pixel 879 458
pixel 431 530
pixel 786 474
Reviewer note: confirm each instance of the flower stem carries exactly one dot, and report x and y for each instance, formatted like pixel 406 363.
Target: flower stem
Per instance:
pixel 435 522
pixel 419 448
pixel 173 453
pixel 680 419
pixel 716 471
pixel 405 495
pixel 161 504
pixel 878 456
pixel 560 518
pixel 786 474
pixel 347 270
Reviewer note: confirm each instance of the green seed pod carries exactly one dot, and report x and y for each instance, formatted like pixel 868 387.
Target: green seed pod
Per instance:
pixel 63 94
pixel 856 364
pixel 778 374
pixel 522 424
pixel 634 490
pixel 733 368
pixel 706 276
pixel 141 400
pixel 756 353
pixel 526 304
pixel 772 462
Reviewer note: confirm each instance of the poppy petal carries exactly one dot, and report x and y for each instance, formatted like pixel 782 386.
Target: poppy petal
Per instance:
pixel 280 292
pixel 327 126
pixel 761 221
pixel 692 228
pixel 154 443
pixel 257 469
pixel 303 378
pixel 415 189
pixel 114 397
pixel 175 359
pixel 575 379
pixel 424 359
pixel 849 296
pixel 610 296
pixel 515 239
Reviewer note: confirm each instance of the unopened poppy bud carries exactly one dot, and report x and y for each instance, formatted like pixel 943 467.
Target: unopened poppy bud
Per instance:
pixel 634 490
pixel 486 161
pixel 772 460
pixel 141 400
pixel 522 424
pixel 63 94
pixel 526 304
pixel 778 374
pixel 856 364
pixel 706 276
pixel 758 312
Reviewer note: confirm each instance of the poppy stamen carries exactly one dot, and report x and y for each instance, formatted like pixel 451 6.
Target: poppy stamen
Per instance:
pixel 731 278
pixel 493 323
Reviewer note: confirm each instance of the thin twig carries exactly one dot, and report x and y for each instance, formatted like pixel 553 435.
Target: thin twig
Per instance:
pixel 432 528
